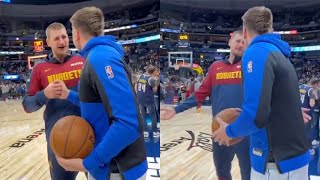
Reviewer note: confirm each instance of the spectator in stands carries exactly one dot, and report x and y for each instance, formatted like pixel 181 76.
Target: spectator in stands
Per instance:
pixel 5 92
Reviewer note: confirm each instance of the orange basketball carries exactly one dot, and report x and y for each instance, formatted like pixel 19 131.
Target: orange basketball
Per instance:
pixel 228 116
pixel 72 137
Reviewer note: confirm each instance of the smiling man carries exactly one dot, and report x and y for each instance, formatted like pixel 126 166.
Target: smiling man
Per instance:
pixel 41 90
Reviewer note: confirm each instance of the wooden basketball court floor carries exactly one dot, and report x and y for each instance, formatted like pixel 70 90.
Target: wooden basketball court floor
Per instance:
pixel 186 147
pixel 23 154
pixel 23 147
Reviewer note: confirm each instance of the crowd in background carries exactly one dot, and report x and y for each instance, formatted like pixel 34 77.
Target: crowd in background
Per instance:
pixel 12 90
pixel 173 85
pixel 13 67
pixel 138 57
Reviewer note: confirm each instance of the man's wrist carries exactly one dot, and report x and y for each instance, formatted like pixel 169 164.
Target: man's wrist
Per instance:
pixel 67 93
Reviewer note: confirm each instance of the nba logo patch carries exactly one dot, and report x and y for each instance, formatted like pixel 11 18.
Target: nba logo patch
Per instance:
pixel 249 66
pixel 109 72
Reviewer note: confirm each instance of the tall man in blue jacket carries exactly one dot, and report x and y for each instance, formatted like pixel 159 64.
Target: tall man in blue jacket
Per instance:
pixel 107 101
pixel 42 90
pixel 223 84
pixel 271 112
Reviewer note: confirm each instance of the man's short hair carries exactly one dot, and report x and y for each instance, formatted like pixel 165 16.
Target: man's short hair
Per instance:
pixel 236 32
pixel 89 20
pixel 314 81
pixel 258 19
pixel 54 26
pixel 239 31
pixel 151 69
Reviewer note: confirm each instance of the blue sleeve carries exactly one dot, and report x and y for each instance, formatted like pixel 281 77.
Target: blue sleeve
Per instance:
pixel 187 104
pixel 114 87
pixel 35 97
pixel 33 103
pixel 258 74
pixel 73 97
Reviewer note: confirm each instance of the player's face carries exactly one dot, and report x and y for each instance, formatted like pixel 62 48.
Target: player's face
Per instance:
pixel 156 73
pixel 237 45
pixel 58 41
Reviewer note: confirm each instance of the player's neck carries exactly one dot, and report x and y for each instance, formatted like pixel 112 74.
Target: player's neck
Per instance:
pixel 59 58
pixel 251 37
pixel 84 41
pixel 231 58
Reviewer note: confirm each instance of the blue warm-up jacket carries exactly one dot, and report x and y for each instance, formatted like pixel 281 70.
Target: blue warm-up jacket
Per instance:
pixel 108 102
pixel 271 112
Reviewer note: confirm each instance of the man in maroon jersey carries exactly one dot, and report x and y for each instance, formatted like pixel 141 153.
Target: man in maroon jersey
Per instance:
pixel 42 90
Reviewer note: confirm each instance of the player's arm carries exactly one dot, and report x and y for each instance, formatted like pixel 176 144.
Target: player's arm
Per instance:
pixel 35 97
pixel 311 94
pixel 258 82
pixel 136 86
pixel 200 95
pixel 317 93
pixel 153 82
pixel 117 95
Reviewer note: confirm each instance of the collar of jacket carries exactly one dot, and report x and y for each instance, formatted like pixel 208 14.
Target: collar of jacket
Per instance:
pixel 51 59
pixel 236 59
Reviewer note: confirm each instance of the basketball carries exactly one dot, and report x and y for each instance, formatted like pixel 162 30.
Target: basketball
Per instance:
pixel 228 116
pixel 72 137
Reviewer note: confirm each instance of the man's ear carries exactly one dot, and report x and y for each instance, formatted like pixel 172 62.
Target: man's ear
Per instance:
pixel 48 42
pixel 245 35
pixel 78 35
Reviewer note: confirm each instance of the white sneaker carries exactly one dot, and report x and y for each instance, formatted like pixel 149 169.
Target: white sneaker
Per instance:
pixel 146 134
pixel 156 134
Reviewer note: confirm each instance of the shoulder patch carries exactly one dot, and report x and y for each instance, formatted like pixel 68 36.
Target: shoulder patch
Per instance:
pixel 249 67
pixel 109 72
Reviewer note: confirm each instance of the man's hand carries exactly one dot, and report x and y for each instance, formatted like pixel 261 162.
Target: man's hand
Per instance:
pixel 53 90
pixel 71 164
pixel 306 117
pixel 220 134
pixel 167 113
pixel 64 90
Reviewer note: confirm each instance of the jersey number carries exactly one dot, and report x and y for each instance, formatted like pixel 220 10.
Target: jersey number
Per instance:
pixel 141 87
pixel 302 98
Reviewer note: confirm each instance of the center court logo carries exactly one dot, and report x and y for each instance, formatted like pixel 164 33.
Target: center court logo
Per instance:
pixel 202 140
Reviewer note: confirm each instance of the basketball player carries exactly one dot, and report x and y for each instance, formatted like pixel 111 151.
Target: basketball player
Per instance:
pixel 146 87
pixel 107 100
pixel 157 96
pixel 271 112
pixel 308 99
pixel 196 87
pixel 42 91
pixel 223 83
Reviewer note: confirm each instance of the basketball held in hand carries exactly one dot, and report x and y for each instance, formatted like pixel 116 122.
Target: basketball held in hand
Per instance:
pixel 228 116
pixel 72 137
